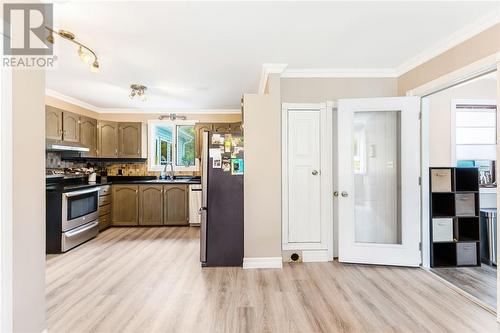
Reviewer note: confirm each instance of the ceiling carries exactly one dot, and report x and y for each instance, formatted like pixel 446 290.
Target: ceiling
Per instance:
pixel 204 55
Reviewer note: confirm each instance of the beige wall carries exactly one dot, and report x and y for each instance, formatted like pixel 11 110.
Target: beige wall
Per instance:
pixel 473 49
pixel 440 125
pixel 262 119
pixel 263 172
pixel 28 201
pixel 314 90
pixel 139 116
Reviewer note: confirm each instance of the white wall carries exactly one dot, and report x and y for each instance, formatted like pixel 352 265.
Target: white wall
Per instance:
pixel 23 203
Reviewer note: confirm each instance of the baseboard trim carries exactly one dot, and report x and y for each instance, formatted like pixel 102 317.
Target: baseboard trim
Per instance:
pixel 266 262
pixel 315 256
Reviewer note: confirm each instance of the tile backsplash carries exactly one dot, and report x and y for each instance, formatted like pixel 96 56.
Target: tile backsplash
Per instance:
pixel 55 160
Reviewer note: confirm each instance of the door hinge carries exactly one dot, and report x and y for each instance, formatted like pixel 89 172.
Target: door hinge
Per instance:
pixel 420 181
pixel 420 246
pixel 420 115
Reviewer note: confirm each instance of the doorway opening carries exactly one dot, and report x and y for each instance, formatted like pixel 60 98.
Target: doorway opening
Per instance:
pixel 463 186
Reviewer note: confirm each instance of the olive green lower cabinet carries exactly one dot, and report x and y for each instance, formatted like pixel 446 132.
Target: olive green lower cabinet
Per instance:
pixel 150 205
pixel 176 205
pixel 125 205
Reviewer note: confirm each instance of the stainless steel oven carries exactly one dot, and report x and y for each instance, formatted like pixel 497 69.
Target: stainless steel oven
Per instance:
pixel 79 208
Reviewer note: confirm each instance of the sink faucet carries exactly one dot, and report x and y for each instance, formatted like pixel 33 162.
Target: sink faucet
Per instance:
pixel 170 175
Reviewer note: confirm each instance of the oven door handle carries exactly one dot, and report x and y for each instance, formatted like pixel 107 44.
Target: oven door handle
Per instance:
pixel 75 193
pixel 81 229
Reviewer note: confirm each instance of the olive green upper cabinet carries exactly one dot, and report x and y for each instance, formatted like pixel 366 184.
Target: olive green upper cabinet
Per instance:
pixel 53 123
pixel 71 127
pixel 107 137
pixel 222 127
pixel 236 127
pixel 88 135
pixel 129 140
pixel 199 128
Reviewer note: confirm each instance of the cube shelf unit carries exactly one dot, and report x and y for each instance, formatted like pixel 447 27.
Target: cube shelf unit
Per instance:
pixel 454 217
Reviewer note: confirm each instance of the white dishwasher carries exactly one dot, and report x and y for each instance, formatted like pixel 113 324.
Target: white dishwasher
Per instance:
pixel 194 204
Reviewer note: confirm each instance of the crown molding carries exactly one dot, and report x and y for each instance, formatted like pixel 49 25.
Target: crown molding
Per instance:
pixel 72 100
pixel 167 111
pixel 88 106
pixel 338 73
pixel 269 69
pixel 451 41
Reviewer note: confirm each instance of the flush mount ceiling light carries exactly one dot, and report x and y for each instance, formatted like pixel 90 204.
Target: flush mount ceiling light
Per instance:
pixel 138 90
pixel 86 54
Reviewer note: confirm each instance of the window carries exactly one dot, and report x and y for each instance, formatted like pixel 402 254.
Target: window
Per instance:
pixel 185 145
pixel 475 130
pixel 171 143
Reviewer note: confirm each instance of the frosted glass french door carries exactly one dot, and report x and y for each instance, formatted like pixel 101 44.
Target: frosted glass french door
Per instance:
pixel 378 181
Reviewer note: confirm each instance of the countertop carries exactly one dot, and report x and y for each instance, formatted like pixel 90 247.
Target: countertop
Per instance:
pixel 133 180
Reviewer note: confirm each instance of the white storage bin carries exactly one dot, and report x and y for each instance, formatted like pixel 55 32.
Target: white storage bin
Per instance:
pixel 441 180
pixel 442 230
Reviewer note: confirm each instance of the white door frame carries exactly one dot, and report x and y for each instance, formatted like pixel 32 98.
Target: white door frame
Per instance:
pixel 478 68
pixel 311 251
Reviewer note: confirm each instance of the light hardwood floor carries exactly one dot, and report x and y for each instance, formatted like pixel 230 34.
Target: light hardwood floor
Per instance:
pixel 480 282
pixel 150 280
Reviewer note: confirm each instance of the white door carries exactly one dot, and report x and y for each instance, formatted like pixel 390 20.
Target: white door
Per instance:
pixel 378 181
pixel 304 144
pixel 307 201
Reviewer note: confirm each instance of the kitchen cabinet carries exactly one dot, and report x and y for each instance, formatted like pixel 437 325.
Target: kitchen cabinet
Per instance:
pixel 71 127
pixel 130 140
pixel 236 127
pixel 222 127
pixel 175 198
pixel 125 204
pixel 150 204
pixel 107 137
pixel 199 128
pixel 53 123
pixel 88 135
pixel 104 207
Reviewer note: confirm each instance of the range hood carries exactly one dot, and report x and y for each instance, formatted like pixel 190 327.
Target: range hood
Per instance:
pixel 53 145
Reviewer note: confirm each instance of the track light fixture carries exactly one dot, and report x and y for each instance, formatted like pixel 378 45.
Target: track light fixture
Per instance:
pixel 84 52
pixel 138 90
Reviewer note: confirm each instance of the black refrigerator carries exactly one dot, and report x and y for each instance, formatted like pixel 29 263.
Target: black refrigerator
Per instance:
pixel 221 239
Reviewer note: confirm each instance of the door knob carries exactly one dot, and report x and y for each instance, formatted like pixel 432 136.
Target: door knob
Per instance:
pixel 336 193
pixel 315 172
pixel 344 194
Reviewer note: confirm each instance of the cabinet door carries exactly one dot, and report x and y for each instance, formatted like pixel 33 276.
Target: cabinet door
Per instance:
pixel 236 127
pixel 222 127
pixel 88 135
pixel 71 127
pixel 125 204
pixel 129 140
pixel 107 139
pixel 150 204
pixel 199 129
pixel 175 203
pixel 53 123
